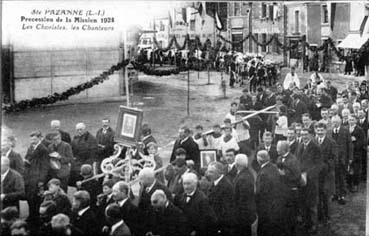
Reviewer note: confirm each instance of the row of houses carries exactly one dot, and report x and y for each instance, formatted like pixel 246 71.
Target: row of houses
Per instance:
pixel 345 22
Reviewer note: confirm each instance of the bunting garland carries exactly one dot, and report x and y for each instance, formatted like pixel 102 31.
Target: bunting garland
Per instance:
pixel 173 41
pixel 363 52
pixel 262 44
pixel 285 47
pixel 51 99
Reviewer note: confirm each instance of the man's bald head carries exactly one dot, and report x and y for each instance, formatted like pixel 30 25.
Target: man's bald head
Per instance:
pixel 241 161
pixel 283 147
pixel 55 124
pixel 262 157
pixel 146 176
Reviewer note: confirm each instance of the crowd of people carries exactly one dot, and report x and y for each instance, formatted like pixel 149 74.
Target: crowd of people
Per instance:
pixel 241 68
pixel 280 170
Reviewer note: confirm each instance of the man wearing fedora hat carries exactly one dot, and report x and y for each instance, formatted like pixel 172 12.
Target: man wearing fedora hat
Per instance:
pixel 61 157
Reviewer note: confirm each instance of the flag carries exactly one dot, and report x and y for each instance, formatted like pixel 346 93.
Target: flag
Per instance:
pixel 218 23
pixel 170 20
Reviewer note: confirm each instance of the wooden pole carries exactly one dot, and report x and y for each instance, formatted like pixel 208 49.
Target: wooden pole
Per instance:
pixel 250 26
pixel 126 79
pixel 188 92
pixel 11 74
pixel 284 34
pixel 198 60
pixel 208 65
pixel 251 111
pixel 246 117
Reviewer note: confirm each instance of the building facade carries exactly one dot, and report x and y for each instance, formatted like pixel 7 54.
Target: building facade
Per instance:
pixel 263 19
pixel 187 19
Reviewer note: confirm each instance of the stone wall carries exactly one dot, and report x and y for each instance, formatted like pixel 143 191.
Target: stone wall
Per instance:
pixel 38 73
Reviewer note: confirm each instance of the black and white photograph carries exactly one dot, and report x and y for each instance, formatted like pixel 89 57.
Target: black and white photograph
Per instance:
pixel 207 156
pixel 129 126
pixel 184 118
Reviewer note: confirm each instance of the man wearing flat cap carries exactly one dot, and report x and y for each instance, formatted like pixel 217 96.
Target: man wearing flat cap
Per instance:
pixel 36 173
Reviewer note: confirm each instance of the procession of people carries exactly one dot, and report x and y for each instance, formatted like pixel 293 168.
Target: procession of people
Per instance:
pixel 279 172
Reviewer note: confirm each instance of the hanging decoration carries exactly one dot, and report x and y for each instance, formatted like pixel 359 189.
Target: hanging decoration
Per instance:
pixel 235 42
pixel 262 44
pixel 273 38
pixel 55 97
pixel 172 42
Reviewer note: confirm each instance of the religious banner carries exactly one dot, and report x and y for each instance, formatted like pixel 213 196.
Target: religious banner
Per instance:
pixel 128 126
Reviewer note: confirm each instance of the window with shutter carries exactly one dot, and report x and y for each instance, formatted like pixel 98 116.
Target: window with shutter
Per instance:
pixel 271 12
pixel 324 14
pixel 231 7
pixel 237 9
pixel 263 10
pixel 297 22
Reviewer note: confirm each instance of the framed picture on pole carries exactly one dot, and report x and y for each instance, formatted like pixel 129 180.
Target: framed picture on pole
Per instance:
pixel 207 156
pixel 128 126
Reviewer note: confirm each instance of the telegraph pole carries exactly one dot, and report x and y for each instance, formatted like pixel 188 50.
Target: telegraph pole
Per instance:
pixel 126 79
pixel 188 91
pixel 188 72
pixel 250 27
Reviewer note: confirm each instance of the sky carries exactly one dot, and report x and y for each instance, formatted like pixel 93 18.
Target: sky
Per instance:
pixel 125 13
